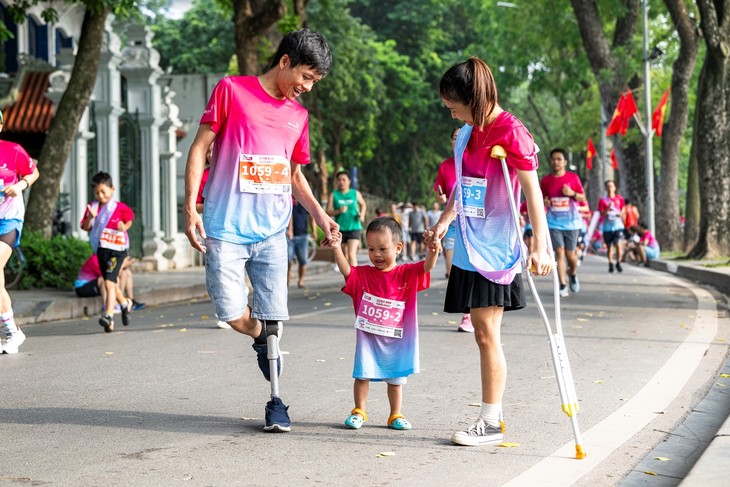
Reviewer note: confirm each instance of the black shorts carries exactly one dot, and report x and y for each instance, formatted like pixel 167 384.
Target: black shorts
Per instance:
pixel 469 289
pixel 417 237
pixel 110 263
pixel 350 235
pixel 612 237
pixel 88 290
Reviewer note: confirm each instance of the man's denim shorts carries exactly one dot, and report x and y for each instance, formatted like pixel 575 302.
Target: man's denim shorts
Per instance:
pixel 265 262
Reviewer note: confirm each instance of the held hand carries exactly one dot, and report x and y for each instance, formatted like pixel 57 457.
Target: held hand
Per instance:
pixel 334 242
pixel 329 226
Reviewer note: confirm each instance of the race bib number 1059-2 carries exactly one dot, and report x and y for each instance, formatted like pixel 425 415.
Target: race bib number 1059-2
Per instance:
pixel 380 316
pixel 264 174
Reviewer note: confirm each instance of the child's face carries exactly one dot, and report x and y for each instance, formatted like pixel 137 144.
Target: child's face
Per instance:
pixel 382 249
pixel 103 193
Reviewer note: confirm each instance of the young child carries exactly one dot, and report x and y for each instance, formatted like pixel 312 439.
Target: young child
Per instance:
pixel 108 221
pixel 386 321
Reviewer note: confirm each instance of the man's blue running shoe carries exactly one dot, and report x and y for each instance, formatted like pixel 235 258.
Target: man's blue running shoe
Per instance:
pixel 261 351
pixel 277 417
pixel 574 284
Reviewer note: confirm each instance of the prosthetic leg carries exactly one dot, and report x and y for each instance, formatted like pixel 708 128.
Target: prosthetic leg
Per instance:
pixel 563 373
pixel 272 344
pixel 277 417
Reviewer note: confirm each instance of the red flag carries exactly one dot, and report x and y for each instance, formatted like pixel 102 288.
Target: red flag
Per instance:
pixel 657 118
pixel 590 154
pixel 625 109
pixel 614 126
pixel 614 161
pixel 629 109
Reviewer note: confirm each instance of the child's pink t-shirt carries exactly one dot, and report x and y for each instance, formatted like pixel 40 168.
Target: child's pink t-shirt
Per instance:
pixel 384 357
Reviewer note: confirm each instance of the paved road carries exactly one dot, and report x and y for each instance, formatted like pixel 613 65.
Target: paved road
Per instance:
pixel 172 400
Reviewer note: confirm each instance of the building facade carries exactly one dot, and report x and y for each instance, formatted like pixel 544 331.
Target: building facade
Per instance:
pixel 130 129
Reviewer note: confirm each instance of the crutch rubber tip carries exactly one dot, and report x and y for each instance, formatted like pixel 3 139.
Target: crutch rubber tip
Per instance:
pixel 579 453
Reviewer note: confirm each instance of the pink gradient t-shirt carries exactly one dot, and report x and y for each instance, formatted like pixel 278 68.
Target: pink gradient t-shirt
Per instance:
pixel 493 229
pixel 250 123
pixel 14 164
pixel 563 212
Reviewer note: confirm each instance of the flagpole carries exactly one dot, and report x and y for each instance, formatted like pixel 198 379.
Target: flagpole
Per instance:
pixel 648 132
pixel 602 164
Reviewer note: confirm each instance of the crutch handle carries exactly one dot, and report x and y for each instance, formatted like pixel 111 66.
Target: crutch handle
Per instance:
pixel 498 152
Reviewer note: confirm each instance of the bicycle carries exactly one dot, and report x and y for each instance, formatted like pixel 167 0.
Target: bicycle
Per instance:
pixel 14 268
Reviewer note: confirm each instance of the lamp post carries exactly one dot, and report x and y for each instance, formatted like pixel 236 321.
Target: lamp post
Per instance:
pixel 649 132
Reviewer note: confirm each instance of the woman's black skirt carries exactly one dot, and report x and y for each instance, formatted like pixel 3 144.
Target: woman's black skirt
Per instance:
pixel 469 289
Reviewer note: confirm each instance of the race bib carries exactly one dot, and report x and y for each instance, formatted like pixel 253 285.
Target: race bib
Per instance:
pixel 380 316
pixel 264 174
pixel 112 239
pixel 560 204
pixel 472 196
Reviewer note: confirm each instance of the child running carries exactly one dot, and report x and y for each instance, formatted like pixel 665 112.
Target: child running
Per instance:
pixel 386 321
pixel 108 220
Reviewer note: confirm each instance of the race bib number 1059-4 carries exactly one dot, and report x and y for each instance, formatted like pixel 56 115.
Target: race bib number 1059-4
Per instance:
pixel 264 174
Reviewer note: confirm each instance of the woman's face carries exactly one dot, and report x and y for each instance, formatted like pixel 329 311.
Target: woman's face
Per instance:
pixel 453 138
pixel 459 111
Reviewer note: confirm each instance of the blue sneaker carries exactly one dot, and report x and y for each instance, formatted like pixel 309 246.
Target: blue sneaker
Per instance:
pixel 277 417
pixel 261 351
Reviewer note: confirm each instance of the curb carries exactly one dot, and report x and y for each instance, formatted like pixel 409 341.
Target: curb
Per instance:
pixel 696 273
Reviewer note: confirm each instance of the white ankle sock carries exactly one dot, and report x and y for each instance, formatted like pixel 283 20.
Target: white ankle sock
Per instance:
pixel 9 322
pixel 490 413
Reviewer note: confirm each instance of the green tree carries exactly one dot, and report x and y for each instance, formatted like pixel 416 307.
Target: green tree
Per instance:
pixel 74 101
pixel 200 42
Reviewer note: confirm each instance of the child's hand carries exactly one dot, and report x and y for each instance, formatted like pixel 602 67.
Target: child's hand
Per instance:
pixel 334 242
pixel 121 226
pixel 92 211
pixel 432 241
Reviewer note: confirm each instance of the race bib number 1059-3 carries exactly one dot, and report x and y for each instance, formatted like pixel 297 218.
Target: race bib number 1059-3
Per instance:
pixel 264 174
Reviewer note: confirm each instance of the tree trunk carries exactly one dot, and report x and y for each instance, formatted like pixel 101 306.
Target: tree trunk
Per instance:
pixel 692 204
pixel 668 225
pixel 713 127
pixel 251 19
pixel 614 76
pixel 65 123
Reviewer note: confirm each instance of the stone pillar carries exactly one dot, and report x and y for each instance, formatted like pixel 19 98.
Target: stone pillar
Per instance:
pixel 168 168
pixel 108 101
pixel 141 70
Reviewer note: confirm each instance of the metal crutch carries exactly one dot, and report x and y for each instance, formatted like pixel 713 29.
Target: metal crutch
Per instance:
pixel 559 352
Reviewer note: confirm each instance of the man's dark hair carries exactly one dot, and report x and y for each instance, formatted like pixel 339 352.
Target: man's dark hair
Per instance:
pixel 389 223
pixel 342 172
pixel 561 150
pixel 102 178
pixel 305 47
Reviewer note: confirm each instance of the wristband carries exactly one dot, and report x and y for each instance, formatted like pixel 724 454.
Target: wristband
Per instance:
pixel 27 184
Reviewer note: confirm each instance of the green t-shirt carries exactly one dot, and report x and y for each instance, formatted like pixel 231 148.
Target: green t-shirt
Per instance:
pixel 350 220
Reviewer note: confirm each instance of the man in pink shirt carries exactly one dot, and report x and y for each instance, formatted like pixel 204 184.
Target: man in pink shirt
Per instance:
pixel 261 135
pixel 563 191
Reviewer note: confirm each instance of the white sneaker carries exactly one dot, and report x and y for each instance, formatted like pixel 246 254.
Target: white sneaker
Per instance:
pixel 564 293
pixel 12 342
pixel 479 433
pixel 223 325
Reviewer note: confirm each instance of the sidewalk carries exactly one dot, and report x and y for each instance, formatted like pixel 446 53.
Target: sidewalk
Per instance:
pixel 166 287
pixel 152 288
